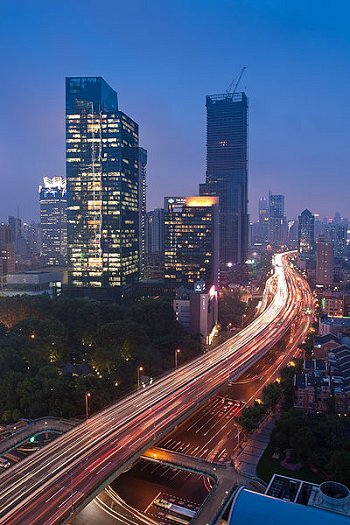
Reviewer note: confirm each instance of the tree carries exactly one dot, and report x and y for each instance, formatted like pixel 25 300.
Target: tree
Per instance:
pixel 339 466
pixel 271 394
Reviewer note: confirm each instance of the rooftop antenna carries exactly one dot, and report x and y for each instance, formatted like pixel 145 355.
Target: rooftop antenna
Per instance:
pixel 232 88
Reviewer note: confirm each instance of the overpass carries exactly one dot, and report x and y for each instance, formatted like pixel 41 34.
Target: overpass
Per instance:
pixel 65 475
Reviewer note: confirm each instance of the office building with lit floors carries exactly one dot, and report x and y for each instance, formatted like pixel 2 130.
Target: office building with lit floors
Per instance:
pixel 103 176
pixel 227 171
pixel 324 262
pixel 191 239
pixel 53 221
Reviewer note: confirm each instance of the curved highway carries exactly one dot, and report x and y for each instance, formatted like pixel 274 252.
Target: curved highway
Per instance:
pixel 46 488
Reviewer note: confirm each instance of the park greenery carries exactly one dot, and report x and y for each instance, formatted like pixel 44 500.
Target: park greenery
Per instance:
pixel 43 341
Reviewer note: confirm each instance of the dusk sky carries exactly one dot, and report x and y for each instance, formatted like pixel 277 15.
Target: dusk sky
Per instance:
pixel 163 58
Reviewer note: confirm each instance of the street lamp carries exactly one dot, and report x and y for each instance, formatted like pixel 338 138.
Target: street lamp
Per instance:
pixel 177 351
pixel 87 395
pixel 139 369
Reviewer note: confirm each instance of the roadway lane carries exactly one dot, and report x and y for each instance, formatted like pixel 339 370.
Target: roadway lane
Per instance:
pixel 46 487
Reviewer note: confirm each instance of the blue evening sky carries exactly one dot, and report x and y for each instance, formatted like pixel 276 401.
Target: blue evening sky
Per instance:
pixel 163 57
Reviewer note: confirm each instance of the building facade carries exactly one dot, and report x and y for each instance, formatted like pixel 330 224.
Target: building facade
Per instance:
pixel 103 174
pixel 197 311
pixel 7 253
pixel 227 171
pixel 324 262
pixel 53 221
pixel 191 239
pixel 264 220
pixel 142 208
pixel 277 221
pixel 306 233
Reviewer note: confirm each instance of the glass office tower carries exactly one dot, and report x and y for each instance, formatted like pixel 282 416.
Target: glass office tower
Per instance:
pixel 306 233
pixel 102 156
pixel 53 220
pixel 227 171
pixel 191 239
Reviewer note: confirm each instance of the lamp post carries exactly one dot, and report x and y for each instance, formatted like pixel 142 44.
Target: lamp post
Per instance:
pixel 87 395
pixel 139 369
pixel 177 351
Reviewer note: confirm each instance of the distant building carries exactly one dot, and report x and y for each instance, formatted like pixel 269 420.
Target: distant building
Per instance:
pixel 155 231
pixel 277 221
pixel 103 176
pixel 191 239
pixel 15 224
pixel 336 233
pixel 154 243
pixel 292 235
pixel 306 233
pixel 264 220
pixel 53 221
pixel 227 171
pixel 197 311
pixel 7 253
pixel 324 262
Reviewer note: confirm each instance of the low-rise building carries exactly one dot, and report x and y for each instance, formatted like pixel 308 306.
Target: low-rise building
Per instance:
pixel 332 304
pixel 35 282
pixel 197 311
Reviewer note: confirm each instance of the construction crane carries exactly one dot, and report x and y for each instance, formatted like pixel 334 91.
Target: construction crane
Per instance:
pixel 234 84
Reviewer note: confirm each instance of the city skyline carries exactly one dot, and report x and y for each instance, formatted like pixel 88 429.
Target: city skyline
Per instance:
pixel 295 138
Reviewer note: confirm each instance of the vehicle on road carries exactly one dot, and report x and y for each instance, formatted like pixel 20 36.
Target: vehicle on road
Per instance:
pixel 177 519
pixel 4 463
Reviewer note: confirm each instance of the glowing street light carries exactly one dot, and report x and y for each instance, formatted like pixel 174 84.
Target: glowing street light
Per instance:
pixel 177 351
pixel 139 370
pixel 87 395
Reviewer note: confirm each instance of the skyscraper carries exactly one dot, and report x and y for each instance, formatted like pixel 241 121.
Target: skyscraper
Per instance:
pixel 324 262
pixel 53 220
pixel 191 239
pixel 306 233
pixel 277 221
pixel 227 171
pixel 103 174
pixel 264 219
pixel 142 207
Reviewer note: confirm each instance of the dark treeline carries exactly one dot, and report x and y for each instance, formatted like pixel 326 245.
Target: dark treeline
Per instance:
pixel 39 337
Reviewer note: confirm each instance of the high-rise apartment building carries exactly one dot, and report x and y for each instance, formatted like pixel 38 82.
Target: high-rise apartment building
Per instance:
pixel 324 262
pixel 277 221
pixel 103 175
pixel 306 233
pixel 191 239
pixel 227 171
pixel 53 221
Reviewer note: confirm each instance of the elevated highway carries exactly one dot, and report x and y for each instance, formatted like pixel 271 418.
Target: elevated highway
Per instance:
pixel 66 474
